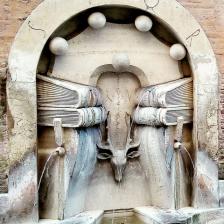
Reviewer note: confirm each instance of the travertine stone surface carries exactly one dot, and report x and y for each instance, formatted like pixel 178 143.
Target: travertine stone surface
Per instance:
pixel 90 217
pixel 52 187
pixel 221 193
pixel 121 62
pixel 207 184
pixel 58 46
pixel 185 215
pixel 3 131
pixel 21 88
pixel 208 13
pixel 146 50
pixel 177 52
pixel 143 23
pixel 97 20
pixel 22 151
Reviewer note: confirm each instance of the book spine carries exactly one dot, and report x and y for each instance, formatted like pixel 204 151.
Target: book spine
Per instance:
pixel 161 116
pixel 85 117
pixel 147 116
pixel 92 116
pixel 152 98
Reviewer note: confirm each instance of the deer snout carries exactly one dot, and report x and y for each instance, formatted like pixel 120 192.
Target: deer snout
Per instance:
pixel 118 164
pixel 118 157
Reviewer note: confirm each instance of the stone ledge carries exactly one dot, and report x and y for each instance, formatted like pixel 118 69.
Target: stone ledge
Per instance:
pixel 221 193
pixel 153 215
pixel 92 217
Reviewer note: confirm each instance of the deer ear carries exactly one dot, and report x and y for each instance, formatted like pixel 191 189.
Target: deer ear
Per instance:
pixel 104 156
pixel 133 153
pixel 104 151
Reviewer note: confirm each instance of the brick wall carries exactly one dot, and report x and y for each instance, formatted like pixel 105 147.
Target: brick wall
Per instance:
pixel 209 13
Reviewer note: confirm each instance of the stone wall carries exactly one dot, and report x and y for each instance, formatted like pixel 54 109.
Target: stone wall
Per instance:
pixel 3 132
pixel 209 13
pixel 12 15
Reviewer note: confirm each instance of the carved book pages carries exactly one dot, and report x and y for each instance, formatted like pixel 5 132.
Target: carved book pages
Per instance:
pixel 63 94
pixel 72 118
pixel 178 93
pixel 162 116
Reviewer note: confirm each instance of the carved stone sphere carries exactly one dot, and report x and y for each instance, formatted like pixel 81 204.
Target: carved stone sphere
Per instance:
pixel 121 62
pixel 178 52
pixel 97 20
pixel 143 23
pixel 58 46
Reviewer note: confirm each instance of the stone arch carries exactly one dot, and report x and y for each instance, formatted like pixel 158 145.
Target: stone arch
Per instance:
pixel 109 68
pixel 21 85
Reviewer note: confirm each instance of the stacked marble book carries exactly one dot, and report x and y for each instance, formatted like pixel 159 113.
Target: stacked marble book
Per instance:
pixel 77 105
pixel 162 104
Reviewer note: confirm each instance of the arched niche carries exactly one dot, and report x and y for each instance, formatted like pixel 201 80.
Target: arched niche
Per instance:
pixel 105 68
pixel 24 57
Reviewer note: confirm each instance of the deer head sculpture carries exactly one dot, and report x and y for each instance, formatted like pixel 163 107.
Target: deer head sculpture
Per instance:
pixel 119 146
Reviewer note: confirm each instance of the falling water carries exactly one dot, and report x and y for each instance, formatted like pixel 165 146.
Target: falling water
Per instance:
pixel 45 167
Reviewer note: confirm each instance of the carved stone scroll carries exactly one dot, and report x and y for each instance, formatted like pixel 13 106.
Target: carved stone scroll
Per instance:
pixel 162 116
pixel 178 93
